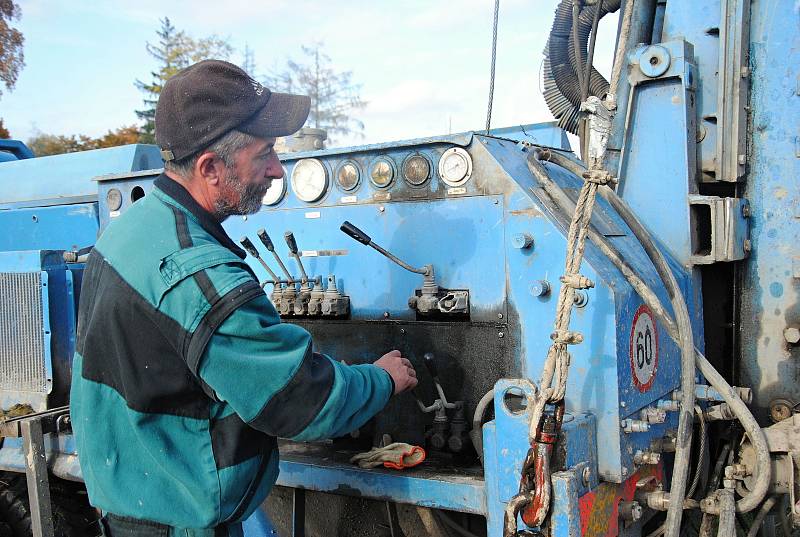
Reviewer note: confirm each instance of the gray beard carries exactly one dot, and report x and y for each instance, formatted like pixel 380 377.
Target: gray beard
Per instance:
pixel 249 197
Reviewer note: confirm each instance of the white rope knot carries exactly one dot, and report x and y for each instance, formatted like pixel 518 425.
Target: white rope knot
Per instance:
pixel 565 337
pixel 599 177
pixel 577 281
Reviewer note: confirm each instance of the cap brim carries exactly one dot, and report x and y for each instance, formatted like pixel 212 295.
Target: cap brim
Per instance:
pixel 284 114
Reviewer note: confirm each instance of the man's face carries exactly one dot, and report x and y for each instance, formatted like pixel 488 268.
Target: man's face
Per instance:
pixel 245 184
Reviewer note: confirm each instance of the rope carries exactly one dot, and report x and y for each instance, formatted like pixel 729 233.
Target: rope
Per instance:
pixel 553 383
pixel 494 57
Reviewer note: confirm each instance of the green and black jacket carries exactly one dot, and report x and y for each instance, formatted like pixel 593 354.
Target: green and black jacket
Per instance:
pixel 184 374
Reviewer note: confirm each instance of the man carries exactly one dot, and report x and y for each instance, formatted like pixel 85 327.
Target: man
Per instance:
pixel 184 374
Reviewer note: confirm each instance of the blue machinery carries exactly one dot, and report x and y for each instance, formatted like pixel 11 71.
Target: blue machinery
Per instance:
pixel 698 129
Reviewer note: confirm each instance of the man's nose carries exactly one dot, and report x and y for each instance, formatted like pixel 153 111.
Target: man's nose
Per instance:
pixel 274 167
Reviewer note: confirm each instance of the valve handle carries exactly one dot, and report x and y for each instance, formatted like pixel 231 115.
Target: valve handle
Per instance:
pixel 430 364
pixel 249 246
pixel 262 234
pixel 290 242
pixel 355 233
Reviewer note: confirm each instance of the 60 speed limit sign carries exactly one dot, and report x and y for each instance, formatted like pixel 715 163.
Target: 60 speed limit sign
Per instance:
pixel 643 349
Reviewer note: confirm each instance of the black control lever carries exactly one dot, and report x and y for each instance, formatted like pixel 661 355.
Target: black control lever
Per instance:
pixel 430 365
pixel 267 242
pixel 292 244
pixel 251 249
pixel 352 231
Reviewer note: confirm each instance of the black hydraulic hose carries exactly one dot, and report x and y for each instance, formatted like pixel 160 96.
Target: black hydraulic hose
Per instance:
pixel 714 378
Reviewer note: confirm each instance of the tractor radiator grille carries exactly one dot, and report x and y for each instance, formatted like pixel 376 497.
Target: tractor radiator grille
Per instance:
pixel 22 338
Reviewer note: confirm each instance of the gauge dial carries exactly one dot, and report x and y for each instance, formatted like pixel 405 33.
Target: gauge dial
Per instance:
pixel 416 170
pixel 114 199
pixel 276 191
pixel 455 166
pixel 309 180
pixel 348 176
pixel 382 173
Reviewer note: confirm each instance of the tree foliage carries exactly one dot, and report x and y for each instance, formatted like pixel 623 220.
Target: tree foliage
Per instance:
pixel 43 144
pixel 4 134
pixel 334 96
pixel 174 51
pixel 12 59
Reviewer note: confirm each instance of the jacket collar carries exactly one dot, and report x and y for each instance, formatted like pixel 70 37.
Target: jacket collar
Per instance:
pixel 174 190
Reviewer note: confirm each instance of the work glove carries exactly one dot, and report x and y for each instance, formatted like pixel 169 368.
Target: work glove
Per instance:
pixel 396 456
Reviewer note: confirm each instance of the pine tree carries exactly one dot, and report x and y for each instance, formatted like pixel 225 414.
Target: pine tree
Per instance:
pixel 174 51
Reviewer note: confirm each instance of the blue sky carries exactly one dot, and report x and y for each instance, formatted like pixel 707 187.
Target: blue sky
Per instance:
pixel 423 65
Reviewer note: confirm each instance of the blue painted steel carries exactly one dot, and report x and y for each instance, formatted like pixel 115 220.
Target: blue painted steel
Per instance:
pixel 61 227
pixel 506 446
pixel 14 150
pixel 770 296
pixel 565 517
pixel 453 492
pixel 547 134
pixel 60 179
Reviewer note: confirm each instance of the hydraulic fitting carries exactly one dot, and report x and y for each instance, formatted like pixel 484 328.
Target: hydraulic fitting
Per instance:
pixel 664 444
pixel 630 511
pixel 653 415
pixel 458 429
pixel 645 458
pixel 634 426
pixel 315 299
pixel 719 412
pixel 657 500
pixel 668 405
pixel 333 302
pixel 439 430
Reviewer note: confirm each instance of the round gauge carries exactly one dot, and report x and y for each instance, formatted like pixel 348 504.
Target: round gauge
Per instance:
pixel 382 172
pixel 416 170
pixel 455 166
pixel 309 180
pixel 348 176
pixel 276 191
pixel 114 199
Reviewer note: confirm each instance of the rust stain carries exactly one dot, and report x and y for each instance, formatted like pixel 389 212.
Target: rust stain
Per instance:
pixel 530 212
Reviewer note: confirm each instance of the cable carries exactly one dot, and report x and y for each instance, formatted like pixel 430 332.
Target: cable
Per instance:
pixel 700 453
pixel 494 58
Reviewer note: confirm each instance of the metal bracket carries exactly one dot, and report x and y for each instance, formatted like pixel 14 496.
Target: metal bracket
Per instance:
pixel 32 429
pixel 720 229
pixel 732 90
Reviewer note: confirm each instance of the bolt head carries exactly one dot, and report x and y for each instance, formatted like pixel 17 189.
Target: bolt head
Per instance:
pixel 792 335
pixel 501 334
pixel 747 246
pixel 540 288
pixel 586 476
pixel 522 241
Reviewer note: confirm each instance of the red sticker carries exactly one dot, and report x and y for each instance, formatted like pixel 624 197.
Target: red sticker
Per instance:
pixel 644 349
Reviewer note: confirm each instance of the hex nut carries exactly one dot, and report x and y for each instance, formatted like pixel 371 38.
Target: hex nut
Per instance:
pixel 792 335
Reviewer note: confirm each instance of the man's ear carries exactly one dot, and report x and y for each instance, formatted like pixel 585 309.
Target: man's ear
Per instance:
pixel 210 168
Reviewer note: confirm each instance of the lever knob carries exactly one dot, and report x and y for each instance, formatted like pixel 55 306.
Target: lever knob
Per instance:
pixel 262 234
pixel 355 233
pixel 290 242
pixel 249 246
pixel 430 364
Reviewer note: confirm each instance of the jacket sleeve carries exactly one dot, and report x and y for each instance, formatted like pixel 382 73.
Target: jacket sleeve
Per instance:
pixel 268 373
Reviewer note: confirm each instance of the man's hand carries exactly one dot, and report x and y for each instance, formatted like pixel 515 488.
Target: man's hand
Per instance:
pixel 400 369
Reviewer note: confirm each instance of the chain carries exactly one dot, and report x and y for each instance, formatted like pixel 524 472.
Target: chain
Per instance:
pixel 494 57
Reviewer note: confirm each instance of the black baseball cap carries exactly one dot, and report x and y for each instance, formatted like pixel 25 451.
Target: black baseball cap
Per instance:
pixel 207 100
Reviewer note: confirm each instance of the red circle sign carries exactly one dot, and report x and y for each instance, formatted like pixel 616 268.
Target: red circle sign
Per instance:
pixel 643 349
